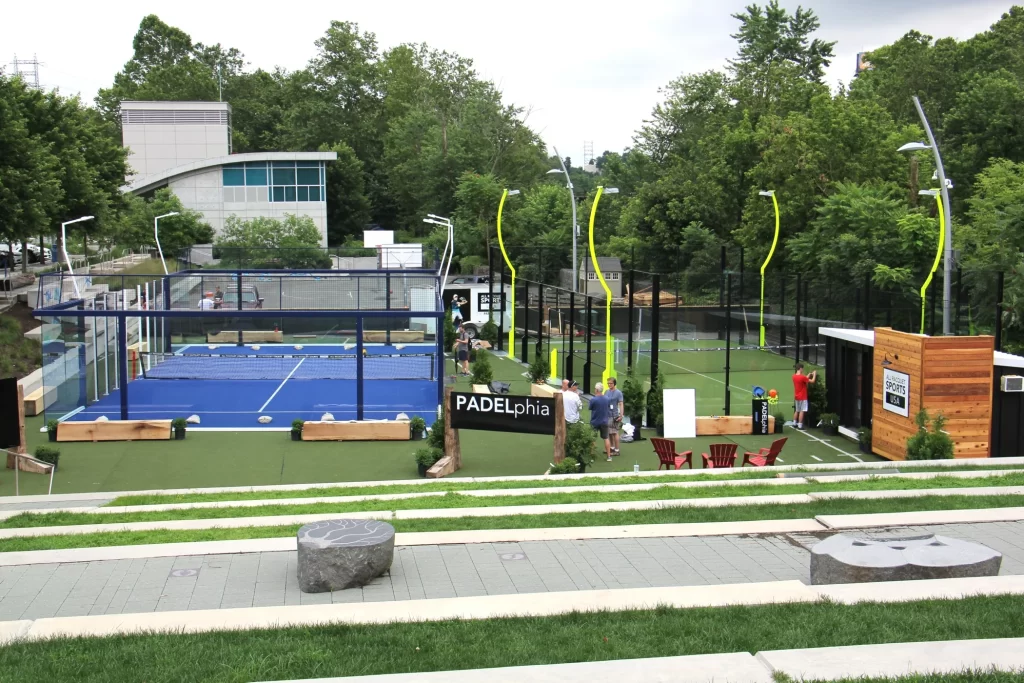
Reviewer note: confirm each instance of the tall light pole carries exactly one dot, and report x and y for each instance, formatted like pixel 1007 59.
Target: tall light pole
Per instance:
pixel 511 269
pixel 771 252
pixel 64 248
pixel 938 250
pixel 575 227
pixel 156 236
pixel 609 356
pixel 944 185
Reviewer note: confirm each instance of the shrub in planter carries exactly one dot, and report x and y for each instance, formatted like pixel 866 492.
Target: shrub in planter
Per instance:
pixel 51 429
pixel 481 370
pixel 449 330
pixel 928 444
pixel 656 405
pixel 817 400
pixel 297 429
pixel 489 332
pixel 580 445
pixel 864 439
pixel 633 400
pixel 48 454
pixel 830 424
pixel 567 466
pixel 417 426
pixel 426 457
pixel 179 424
pixel 780 421
pixel 539 370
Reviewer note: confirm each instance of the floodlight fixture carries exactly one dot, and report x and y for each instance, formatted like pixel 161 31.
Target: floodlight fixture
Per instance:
pixel 64 248
pixel 512 193
pixel 767 193
pixel 611 190
pixel 914 147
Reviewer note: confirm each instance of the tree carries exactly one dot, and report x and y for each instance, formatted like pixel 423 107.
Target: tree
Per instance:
pixel 348 208
pixel 291 242
pixel 177 233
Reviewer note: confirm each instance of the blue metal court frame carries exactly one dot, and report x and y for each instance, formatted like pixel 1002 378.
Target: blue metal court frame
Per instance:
pixel 81 308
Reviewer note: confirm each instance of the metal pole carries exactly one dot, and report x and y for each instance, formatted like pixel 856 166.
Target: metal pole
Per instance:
pixel 572 334
pixel 359 367
pixel 799 293
pixel 575 227
pixel 655 326
pixel 95 360
pixel 999 312
pixel 947 257
pixel 959 298
pixel 501 324
pixel 106 355
pixel 540 322
pixel 629 336
pixel 728 338
pixel 868 317
pixel 122 367
pixel 587 331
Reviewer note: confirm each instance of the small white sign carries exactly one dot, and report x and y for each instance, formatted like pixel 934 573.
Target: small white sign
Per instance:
pixel 896 392
pixel 680 413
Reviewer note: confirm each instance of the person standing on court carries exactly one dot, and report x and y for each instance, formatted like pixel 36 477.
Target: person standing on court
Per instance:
pixel 571 403
pixel 800 382
pixel 599 414
pixel 615 399
pixel 462 346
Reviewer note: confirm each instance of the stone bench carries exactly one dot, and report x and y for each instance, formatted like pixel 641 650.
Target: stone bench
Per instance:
pixel 343 553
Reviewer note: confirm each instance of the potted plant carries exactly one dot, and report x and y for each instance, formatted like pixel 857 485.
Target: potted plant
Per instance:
pixel 780 421
pixel 580 440
pixel 633 401
pixel 864 439
pixel 417 426
pixel 567 466
pixel 51 429
pixel 817 400
pixel 539 370
pixel 830 424
pixel 297 429
pixel 656 405
pixel 48 454
pixel 489 332
pixel 481 372
pixel 929 445
pixel 425 459
pixel 179 424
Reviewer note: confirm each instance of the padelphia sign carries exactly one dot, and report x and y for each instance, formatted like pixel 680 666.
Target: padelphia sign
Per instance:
pixel 520 414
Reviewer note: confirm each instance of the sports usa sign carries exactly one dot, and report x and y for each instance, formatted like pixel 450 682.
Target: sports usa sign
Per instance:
pixel 520 414
pixel 896 392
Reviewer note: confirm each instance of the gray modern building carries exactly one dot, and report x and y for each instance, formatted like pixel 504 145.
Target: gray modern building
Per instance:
pixel 186 146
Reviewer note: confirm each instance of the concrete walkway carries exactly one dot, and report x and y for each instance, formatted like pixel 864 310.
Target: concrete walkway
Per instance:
pixel 264 579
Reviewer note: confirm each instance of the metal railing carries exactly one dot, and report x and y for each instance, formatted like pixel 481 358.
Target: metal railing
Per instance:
pixel 17 469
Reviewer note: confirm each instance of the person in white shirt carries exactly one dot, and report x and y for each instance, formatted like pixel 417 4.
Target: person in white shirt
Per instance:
pixel 206 303
pixel 571 403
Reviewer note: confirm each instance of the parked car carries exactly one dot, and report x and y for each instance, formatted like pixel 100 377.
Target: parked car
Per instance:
pixel 8 259
pixel 250 298
pixel 34 252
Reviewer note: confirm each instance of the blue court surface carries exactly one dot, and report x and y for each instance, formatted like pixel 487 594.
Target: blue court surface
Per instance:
pixel 231 387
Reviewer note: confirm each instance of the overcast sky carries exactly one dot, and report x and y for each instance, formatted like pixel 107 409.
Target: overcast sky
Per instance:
pixel 585 71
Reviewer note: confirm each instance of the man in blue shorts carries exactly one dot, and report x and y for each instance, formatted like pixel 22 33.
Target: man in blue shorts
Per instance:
pixel 600 413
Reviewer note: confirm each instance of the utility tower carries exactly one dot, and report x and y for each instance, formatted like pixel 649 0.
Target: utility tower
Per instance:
pixel 28 70
pixel 588 152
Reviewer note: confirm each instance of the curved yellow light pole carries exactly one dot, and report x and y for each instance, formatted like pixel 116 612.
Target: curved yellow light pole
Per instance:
pixel 512 303
pixel 609 356
pixel 938 252
pixel 771 252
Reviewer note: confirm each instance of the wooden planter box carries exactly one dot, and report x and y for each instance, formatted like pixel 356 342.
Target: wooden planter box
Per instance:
pixel 356 431
pixel 732 424
pixel 115 430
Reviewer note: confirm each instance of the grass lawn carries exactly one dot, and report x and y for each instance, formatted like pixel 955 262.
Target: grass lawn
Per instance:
pixel 321 651
pixel 738 513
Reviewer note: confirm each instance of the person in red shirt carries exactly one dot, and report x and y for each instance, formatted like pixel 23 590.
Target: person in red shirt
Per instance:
pixel 800 382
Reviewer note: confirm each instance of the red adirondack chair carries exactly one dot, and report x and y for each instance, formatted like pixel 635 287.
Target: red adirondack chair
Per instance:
pixel 667 456
pixel 766 456
pixel 722 455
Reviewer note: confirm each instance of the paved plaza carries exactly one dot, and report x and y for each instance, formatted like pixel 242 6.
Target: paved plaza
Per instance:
pixel 440 571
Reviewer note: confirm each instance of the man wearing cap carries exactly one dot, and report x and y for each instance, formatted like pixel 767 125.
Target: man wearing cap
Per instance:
pixel 571 403
pixel 600 412
pixel 462 346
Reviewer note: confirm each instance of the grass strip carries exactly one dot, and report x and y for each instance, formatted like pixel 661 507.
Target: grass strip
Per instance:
pixel 969 676
pixel 456 485
pixel 352 650
pixel 456 500
pixel 739 513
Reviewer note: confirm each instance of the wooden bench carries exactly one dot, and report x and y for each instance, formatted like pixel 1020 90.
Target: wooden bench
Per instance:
pixel 397 336
pixel 397 430
pixel 34 403
pixel 115 430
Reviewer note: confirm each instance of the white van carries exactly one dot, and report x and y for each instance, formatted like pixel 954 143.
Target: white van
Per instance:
pixel 475 292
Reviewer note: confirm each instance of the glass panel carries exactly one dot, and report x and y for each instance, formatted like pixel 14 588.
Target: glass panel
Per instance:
pixel 278 194
pixel 307 164
pixel 284 176
pixel 233 177
pixel 314 194
pixel 308 176
pixel 303 194
pixel 256 174
pixel 289 194
pixel 284 164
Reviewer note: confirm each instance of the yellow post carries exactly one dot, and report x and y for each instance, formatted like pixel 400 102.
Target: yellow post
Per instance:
pixel 553 365
pixel 938 255
pixel 771 252
pixel 512 270
pixel 609 359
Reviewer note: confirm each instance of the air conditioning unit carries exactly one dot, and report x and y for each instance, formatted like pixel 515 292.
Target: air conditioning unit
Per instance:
pixel 1012 383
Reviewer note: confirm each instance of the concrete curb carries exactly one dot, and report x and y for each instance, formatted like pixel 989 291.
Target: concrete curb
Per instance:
pixel 883 519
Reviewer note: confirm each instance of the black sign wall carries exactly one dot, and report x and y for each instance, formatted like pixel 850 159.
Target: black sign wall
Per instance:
pixel 486 301
pixel 520 414
pixel 760 415
pixel 10 431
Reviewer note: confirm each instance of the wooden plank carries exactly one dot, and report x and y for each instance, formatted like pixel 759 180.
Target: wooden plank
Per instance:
pixel 397 336
pixel 732 424
pixel 115 430
pixel 32 404
pixel 442 468
pixel 481 389
pixel 560 429
pixel 543 390
pixel 452 446
pixel 22 446
pixel 384 430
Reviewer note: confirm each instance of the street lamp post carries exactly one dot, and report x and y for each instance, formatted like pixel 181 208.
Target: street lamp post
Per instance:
pixel 938 250
pixel 771 252
pixel 156 236
pixel 64 248
pixel 511 269
pixel 575 227
pixel 609 356
pixel 947 259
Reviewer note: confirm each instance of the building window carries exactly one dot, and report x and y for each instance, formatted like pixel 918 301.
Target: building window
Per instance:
pixel 284 181
pixel 256 175
pixel 591 277
pixel 234 176
pixel 613 276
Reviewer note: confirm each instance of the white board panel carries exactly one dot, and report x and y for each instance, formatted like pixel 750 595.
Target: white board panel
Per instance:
pixel 680 413
pixel 376 238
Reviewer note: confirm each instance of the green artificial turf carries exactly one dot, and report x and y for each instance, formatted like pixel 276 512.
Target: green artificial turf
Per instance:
pixel 351 650
pixel 737 513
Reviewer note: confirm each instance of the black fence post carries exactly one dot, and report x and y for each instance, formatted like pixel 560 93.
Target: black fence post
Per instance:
pixel 999 311
pixel 931 323
pixel 540 321
pixel 387 305
pixel 782 310
pixel 655 325
pixel 742 308
pixel 629 334
pixel 524 342
pixel 869 322
pixel 799 294
pixel 122 362
pixel 587 331
pixel 501 315
pixel 728 339
pixel 721 279
pixel 959 300
pixel 572 335
pixel 359 367
pixel 238 290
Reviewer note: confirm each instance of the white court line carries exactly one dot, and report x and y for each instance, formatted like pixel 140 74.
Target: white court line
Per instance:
pixel 280 386
pixel 837 448
pixel 815 457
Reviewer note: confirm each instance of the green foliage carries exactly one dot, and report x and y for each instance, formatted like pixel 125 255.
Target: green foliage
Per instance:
pixel 829 419
pixel 51 426
pixel 489 332
pixel 291 242
pixel 47 454
pixel 435 437
pixel 417 425
pixel 633 397
pixel 580 444
pixel 348 207
pixel 481 372
pixel 176 232
pixel 933 444
pixel 864 437
pixel 297 425
pixel 539 369
pixel 656 401
pixel 428 456
pixel 178 423
pixel 567 466
pixel 21 355
pixel 817 395
pixel 449 329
